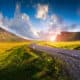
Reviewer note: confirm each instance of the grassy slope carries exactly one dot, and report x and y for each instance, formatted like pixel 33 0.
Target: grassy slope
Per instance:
pixel 6 36
pixel 19 62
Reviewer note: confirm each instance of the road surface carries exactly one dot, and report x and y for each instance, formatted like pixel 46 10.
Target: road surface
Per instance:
pixel 70 57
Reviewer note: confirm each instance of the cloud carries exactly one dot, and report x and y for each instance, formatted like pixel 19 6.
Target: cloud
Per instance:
pixel 55 25
pixel 1 18
pixel 74 28
pixel 20 25
pixel 42 11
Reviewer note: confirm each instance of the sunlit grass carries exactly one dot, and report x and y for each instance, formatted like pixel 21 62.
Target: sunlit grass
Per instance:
pixel 8 45
pixel 65 45
pixel 19 61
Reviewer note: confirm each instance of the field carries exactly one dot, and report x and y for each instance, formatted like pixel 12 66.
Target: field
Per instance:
pixel 19 62
pixel 8 45
pixel 65 45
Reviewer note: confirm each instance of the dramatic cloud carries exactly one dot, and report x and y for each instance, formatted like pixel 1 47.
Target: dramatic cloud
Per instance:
pixel 20 25
pixel 57 24
pixel 54 26
pixel 42 11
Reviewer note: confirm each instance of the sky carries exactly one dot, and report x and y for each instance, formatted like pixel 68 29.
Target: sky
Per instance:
pixel 40 19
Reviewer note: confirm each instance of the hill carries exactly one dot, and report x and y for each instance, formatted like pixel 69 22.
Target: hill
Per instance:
pixel 7 36
pixel 68 36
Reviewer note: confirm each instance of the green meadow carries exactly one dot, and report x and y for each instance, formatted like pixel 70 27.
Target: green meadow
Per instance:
pixel 19 62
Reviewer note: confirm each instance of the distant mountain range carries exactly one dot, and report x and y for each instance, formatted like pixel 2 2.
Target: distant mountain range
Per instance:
pixel 7 36
pixel 68 36
pixel 63 36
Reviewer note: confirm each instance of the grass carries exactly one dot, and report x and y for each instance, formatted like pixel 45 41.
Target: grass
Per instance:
pixel 65 45
pixel 19 62
pixel 8 45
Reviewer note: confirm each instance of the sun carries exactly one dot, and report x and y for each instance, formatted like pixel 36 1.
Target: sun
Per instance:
pixel 52 38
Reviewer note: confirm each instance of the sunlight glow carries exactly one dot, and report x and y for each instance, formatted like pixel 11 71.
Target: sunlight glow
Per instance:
pixel 52 38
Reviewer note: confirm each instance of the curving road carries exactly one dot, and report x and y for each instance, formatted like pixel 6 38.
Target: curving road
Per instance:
pixel 70 57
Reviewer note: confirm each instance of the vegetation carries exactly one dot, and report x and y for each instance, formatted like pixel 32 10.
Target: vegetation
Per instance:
pixel 8 45
pixel 19 62
pixel 65 45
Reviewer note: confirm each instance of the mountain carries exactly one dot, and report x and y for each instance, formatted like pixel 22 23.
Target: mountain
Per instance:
pixel 7 36
pixel 68 36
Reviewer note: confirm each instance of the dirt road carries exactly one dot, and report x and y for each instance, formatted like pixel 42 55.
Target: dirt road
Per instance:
pixel 70 57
